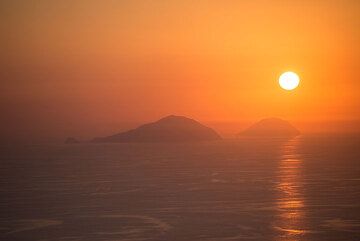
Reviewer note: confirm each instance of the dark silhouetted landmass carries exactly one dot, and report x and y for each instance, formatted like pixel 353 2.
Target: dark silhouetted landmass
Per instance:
pixel 271 127
pixel 71 140
pixel 168 129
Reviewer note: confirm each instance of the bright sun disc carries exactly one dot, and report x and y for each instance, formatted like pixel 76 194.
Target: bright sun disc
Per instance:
pixel 289 80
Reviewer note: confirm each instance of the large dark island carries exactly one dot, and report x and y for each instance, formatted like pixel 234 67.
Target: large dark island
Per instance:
pixel 168 129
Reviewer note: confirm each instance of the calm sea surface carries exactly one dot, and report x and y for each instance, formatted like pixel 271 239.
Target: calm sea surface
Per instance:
pixel 307 188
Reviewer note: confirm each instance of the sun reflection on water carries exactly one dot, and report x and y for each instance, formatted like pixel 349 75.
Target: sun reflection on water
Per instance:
pixel 290 201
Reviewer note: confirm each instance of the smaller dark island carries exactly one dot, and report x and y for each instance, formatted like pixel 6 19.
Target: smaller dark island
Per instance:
pixel 71 140
pixel 271 127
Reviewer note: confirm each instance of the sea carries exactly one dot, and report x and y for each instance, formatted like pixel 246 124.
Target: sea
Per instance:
pixel 302 189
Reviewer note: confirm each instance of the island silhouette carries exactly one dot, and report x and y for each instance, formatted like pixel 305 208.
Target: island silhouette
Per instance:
pixel 271 127
pixel 171 128
pixel 71 140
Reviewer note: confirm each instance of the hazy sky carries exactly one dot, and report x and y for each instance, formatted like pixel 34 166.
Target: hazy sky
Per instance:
pixel 87 68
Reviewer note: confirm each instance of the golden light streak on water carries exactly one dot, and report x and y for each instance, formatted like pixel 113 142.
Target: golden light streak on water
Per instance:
pixel 290 202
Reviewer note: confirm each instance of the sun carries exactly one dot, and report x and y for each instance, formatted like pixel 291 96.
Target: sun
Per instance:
pixel 289 80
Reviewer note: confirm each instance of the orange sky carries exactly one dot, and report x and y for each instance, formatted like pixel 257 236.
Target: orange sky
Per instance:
pixel 87 68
